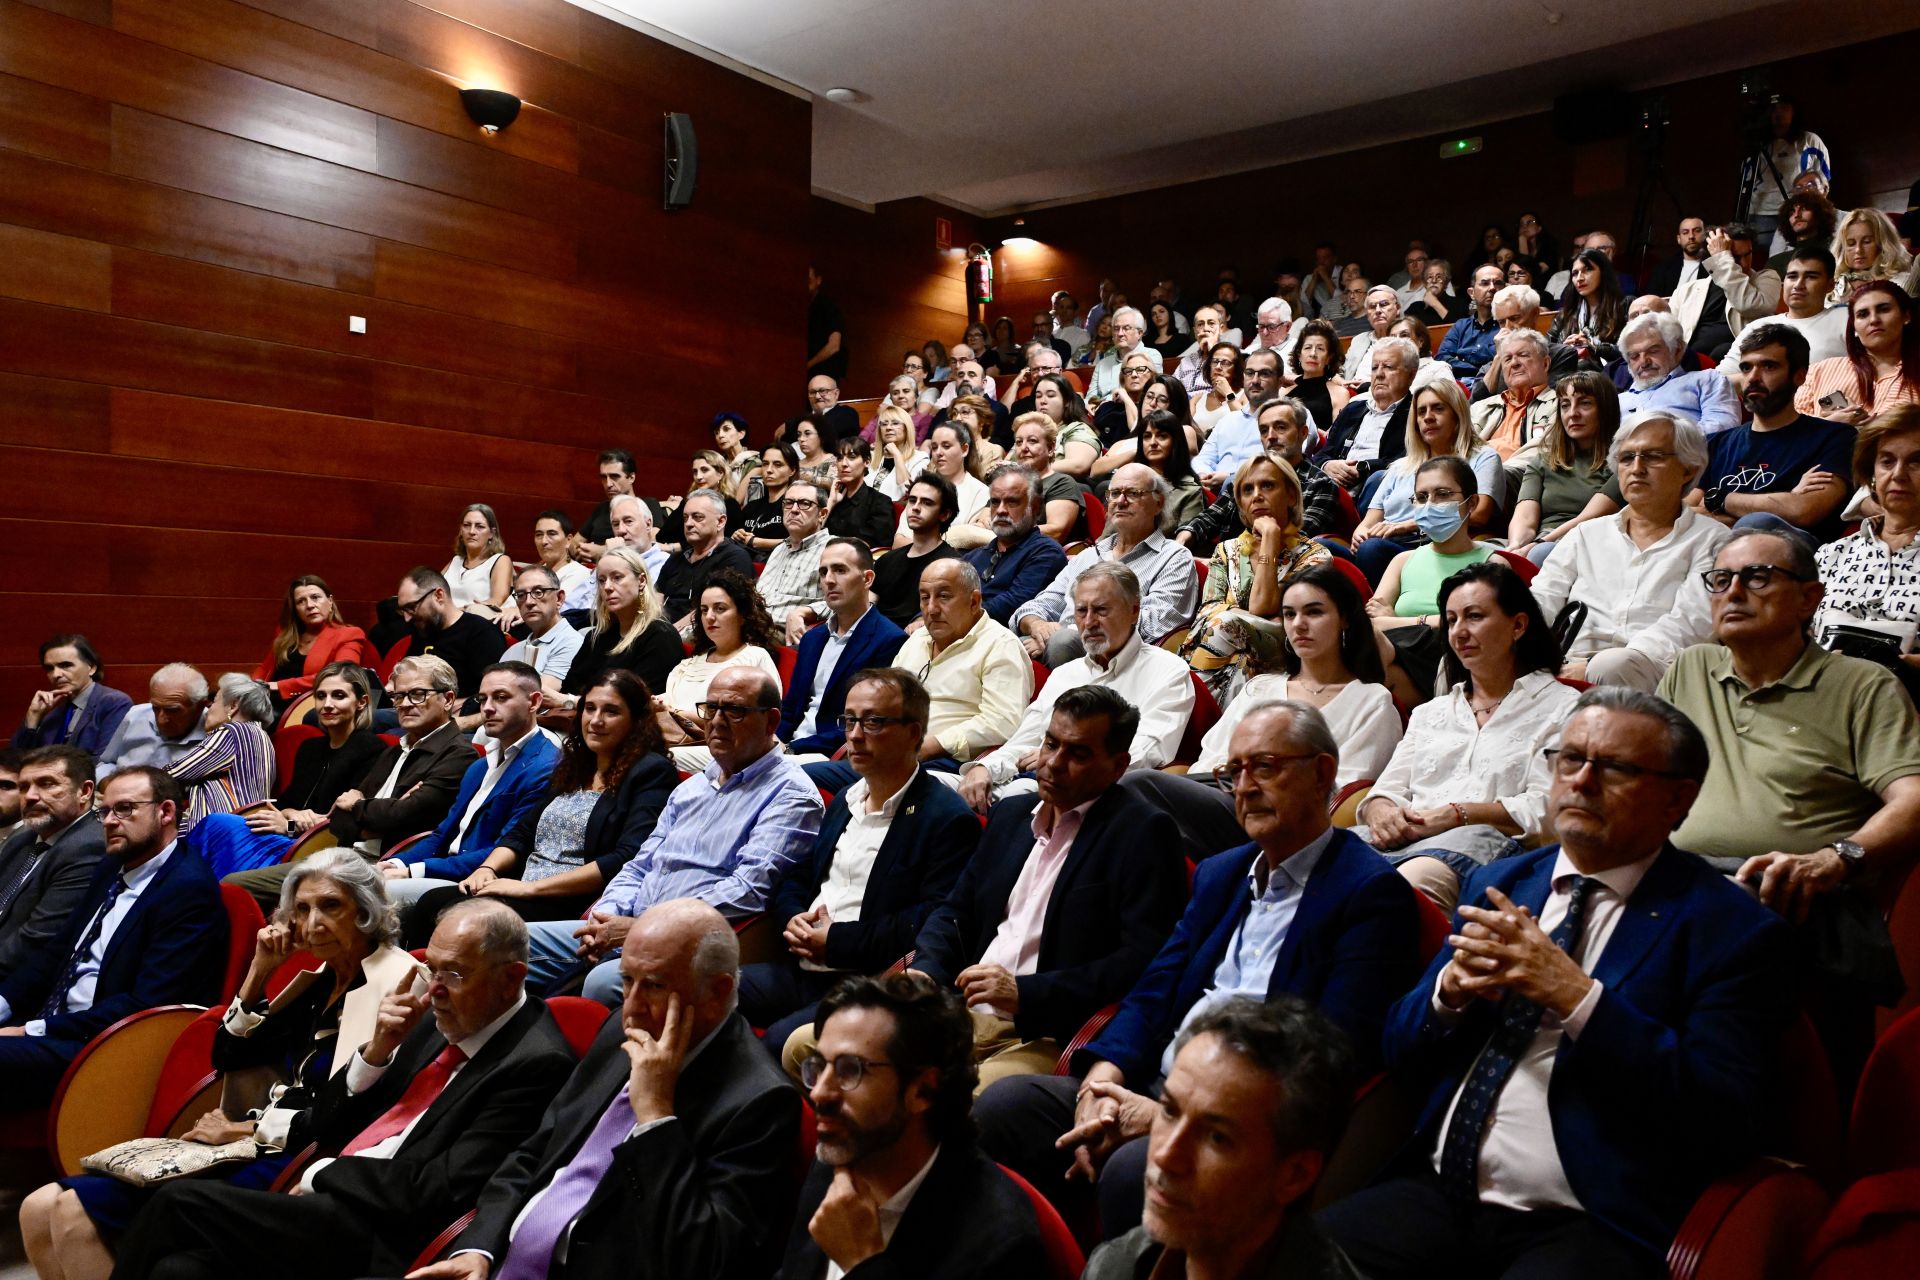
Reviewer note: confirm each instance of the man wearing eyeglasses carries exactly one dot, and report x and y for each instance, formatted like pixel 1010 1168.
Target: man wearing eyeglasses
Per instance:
pixel 1303 909
pixel 149 930
pixel 551 641
pixel 1815 782
pixel 1598 1036
pixel 1129 334
pixel 442 629
pixel 791 577
pixel 723 838
pixel 897 1176
pixel 891 846
pixel 1470 342
pixel 1272 325
pixel 1653 344
pixel 1169 586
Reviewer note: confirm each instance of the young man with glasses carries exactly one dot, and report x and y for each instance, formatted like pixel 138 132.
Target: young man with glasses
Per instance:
pixel 891 846
pixel 442 629
pixel 724 837
pixel 551 642
pixel 149 930
pixel 897 1175
pixel 1303 909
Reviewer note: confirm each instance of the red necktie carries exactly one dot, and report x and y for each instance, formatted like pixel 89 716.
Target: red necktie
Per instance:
pixel 420 1094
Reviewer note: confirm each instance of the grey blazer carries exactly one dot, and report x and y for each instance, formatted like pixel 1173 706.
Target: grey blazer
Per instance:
pixel 38 913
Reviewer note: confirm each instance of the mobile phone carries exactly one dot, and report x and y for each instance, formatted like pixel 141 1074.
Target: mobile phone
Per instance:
pixel 1833 401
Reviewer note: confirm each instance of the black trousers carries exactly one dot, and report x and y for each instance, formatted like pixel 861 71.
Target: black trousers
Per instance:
pixel 780 996
pixel 31 1067
pixel 1408 1227
pixel 1021 1117
pixel 211 1231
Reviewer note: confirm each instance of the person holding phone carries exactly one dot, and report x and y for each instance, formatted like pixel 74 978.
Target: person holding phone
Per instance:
pixel 1881 368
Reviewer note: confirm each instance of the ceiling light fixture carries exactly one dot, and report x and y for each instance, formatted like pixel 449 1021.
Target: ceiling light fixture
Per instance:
pixel 842 94
pixel 491 109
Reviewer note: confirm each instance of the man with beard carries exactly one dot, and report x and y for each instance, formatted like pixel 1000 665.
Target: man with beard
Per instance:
pixel 1783 469
pixel 1020 561
pixel 442 629
pixel 10 799
pixel 46 865
pixel 898 1186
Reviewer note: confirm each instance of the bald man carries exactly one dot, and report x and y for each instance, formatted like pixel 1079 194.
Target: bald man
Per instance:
pixel 647 1167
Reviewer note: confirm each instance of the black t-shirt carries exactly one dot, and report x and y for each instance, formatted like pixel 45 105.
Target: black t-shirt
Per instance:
pixel 674 528
pixel 598 527
pixel 865 514
pixel 322 774
pixel 1747 461
pixel 469 646
pixel 652 656
pixel 823 321
pixel 682 582
pixel 896 582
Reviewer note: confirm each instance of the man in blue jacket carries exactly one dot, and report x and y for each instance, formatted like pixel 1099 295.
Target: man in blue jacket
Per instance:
pixel 1599 1040
pixel 150 930
pixel 855 636
pixel 1304 909
pixel 496 792
pixel 889 850
pixel 1020 561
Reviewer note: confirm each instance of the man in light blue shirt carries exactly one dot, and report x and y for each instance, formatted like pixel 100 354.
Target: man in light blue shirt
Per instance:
pixel 724 837
pixel 1652 344
pixel 552 643
pixel 171 724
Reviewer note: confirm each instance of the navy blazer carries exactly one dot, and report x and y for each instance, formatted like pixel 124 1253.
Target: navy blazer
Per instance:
pixel 1393 441
pixel 1661 1091
pixel 170 949
pixel 1117 898
pixel 1010 579
pixel 622 817
pixel 92 728
pixel 875 639
pixel 522 789
pixel 1352 950
pixel 932 836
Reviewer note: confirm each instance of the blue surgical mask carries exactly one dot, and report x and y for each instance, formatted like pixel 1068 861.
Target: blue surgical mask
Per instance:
pixel 1438 520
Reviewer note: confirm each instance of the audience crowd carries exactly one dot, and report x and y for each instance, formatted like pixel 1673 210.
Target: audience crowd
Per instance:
pixel 1054 787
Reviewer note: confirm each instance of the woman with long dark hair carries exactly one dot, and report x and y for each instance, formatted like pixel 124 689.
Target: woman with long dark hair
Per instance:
pixel 731 629
pixel 607 792
pixel 1593 311
pixel 762 527
pixel 1881 369
pixel 313 636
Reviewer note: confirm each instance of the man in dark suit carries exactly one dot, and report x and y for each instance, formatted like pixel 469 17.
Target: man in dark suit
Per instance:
pixel 419 1128
pixel 890 847
pixel 891 1086
pixel 1070 894
pixel 855 636
pixel 669 1153
pixel 1304 909
pixel 1574 1145
pixel 46 866
pixel 1371 432
pixel 75 709
pixel 149 930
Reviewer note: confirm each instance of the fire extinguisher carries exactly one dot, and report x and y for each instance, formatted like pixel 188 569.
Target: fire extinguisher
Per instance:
pixel 979 273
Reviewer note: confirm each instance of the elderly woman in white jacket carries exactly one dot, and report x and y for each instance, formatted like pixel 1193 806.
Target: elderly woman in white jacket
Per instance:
pixel 1632 579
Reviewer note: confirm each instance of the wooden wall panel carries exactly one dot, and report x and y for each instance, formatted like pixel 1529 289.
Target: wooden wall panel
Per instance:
pixel 196 195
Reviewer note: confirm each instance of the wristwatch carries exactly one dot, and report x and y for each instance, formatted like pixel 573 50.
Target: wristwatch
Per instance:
pixel 1851 854
pixel 1716 502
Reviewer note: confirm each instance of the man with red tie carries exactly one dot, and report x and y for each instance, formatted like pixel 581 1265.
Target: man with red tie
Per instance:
pixel 420 1117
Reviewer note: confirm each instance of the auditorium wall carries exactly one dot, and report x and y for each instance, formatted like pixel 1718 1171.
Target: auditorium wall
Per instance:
pixel 196 195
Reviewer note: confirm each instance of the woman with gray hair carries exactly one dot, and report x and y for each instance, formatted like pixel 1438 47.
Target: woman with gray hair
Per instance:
pixel 232 770
pixel 274 1054
pixel 1624 590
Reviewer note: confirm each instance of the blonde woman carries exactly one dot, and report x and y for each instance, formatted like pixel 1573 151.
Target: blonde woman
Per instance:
pixel 480 575
pixel 897 460
pixel 1437 427
pixel 1237 633
pixel 907 395
pixel 1866 246
pixel 630 629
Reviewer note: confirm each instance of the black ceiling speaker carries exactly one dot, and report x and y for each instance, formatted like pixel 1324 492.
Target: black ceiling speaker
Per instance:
pixel 491 109
pixel 683 160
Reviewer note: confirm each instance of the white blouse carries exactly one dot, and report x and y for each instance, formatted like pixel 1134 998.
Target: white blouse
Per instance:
pixel 1651 601
pixel 1448 758
pixel 887 479
pixel 470 586
pixel 1865 579
pixel 1362 716
pixel 687 682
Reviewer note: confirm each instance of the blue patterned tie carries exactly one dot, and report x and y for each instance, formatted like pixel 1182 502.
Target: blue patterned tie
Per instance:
pixel 1519 1020
pixel 22 870
pixel 57 998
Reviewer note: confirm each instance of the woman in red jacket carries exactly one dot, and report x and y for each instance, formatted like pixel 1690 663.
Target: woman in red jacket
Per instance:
pixel 312 634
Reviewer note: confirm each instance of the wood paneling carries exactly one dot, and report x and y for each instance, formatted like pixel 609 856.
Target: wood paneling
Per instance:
pixel 196 195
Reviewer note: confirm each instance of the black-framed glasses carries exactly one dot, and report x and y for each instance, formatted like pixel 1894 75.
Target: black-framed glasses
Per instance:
pixel 1568 763
pixel 414 697
pixel 848 1068
pixel 1264 768
pixel 731 712
pixel 124 810
pixel 407 607
pixel 799 502
pixel 527 594
pixel 1753 577
pixel 872 724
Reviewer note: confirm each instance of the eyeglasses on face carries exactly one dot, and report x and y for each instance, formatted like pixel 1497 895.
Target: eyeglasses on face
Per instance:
pixel 1650 457
pixel 527 595
pixel 799 502
pixel 408 606
pixel 1129 495
pixel 1753 577
pixel 1568 763
pixel 731 712
pixel 848 1068
pixel 872 724
pixel 124 810
pixel 414 697
pixel 1263 768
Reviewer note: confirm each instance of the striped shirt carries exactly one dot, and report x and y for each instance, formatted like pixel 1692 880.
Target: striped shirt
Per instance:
pixel 231 771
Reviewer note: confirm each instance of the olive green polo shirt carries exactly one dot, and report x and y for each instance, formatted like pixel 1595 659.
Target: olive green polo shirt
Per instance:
pixel 1797 764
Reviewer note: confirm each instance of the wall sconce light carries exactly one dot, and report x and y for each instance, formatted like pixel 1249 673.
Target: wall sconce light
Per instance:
pixel 491 109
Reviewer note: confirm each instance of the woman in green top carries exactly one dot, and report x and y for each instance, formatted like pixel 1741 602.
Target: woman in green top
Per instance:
pixel 1406 606
pixel 1076 444
pixel 1237 633
pixel 1568 482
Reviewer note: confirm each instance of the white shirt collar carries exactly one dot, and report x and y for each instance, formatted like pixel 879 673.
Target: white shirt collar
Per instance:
pixel 147 870
pixel 1118 660
pixel 498 755
pixel 1297 866
pixel 857 797
pixel 1621 880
